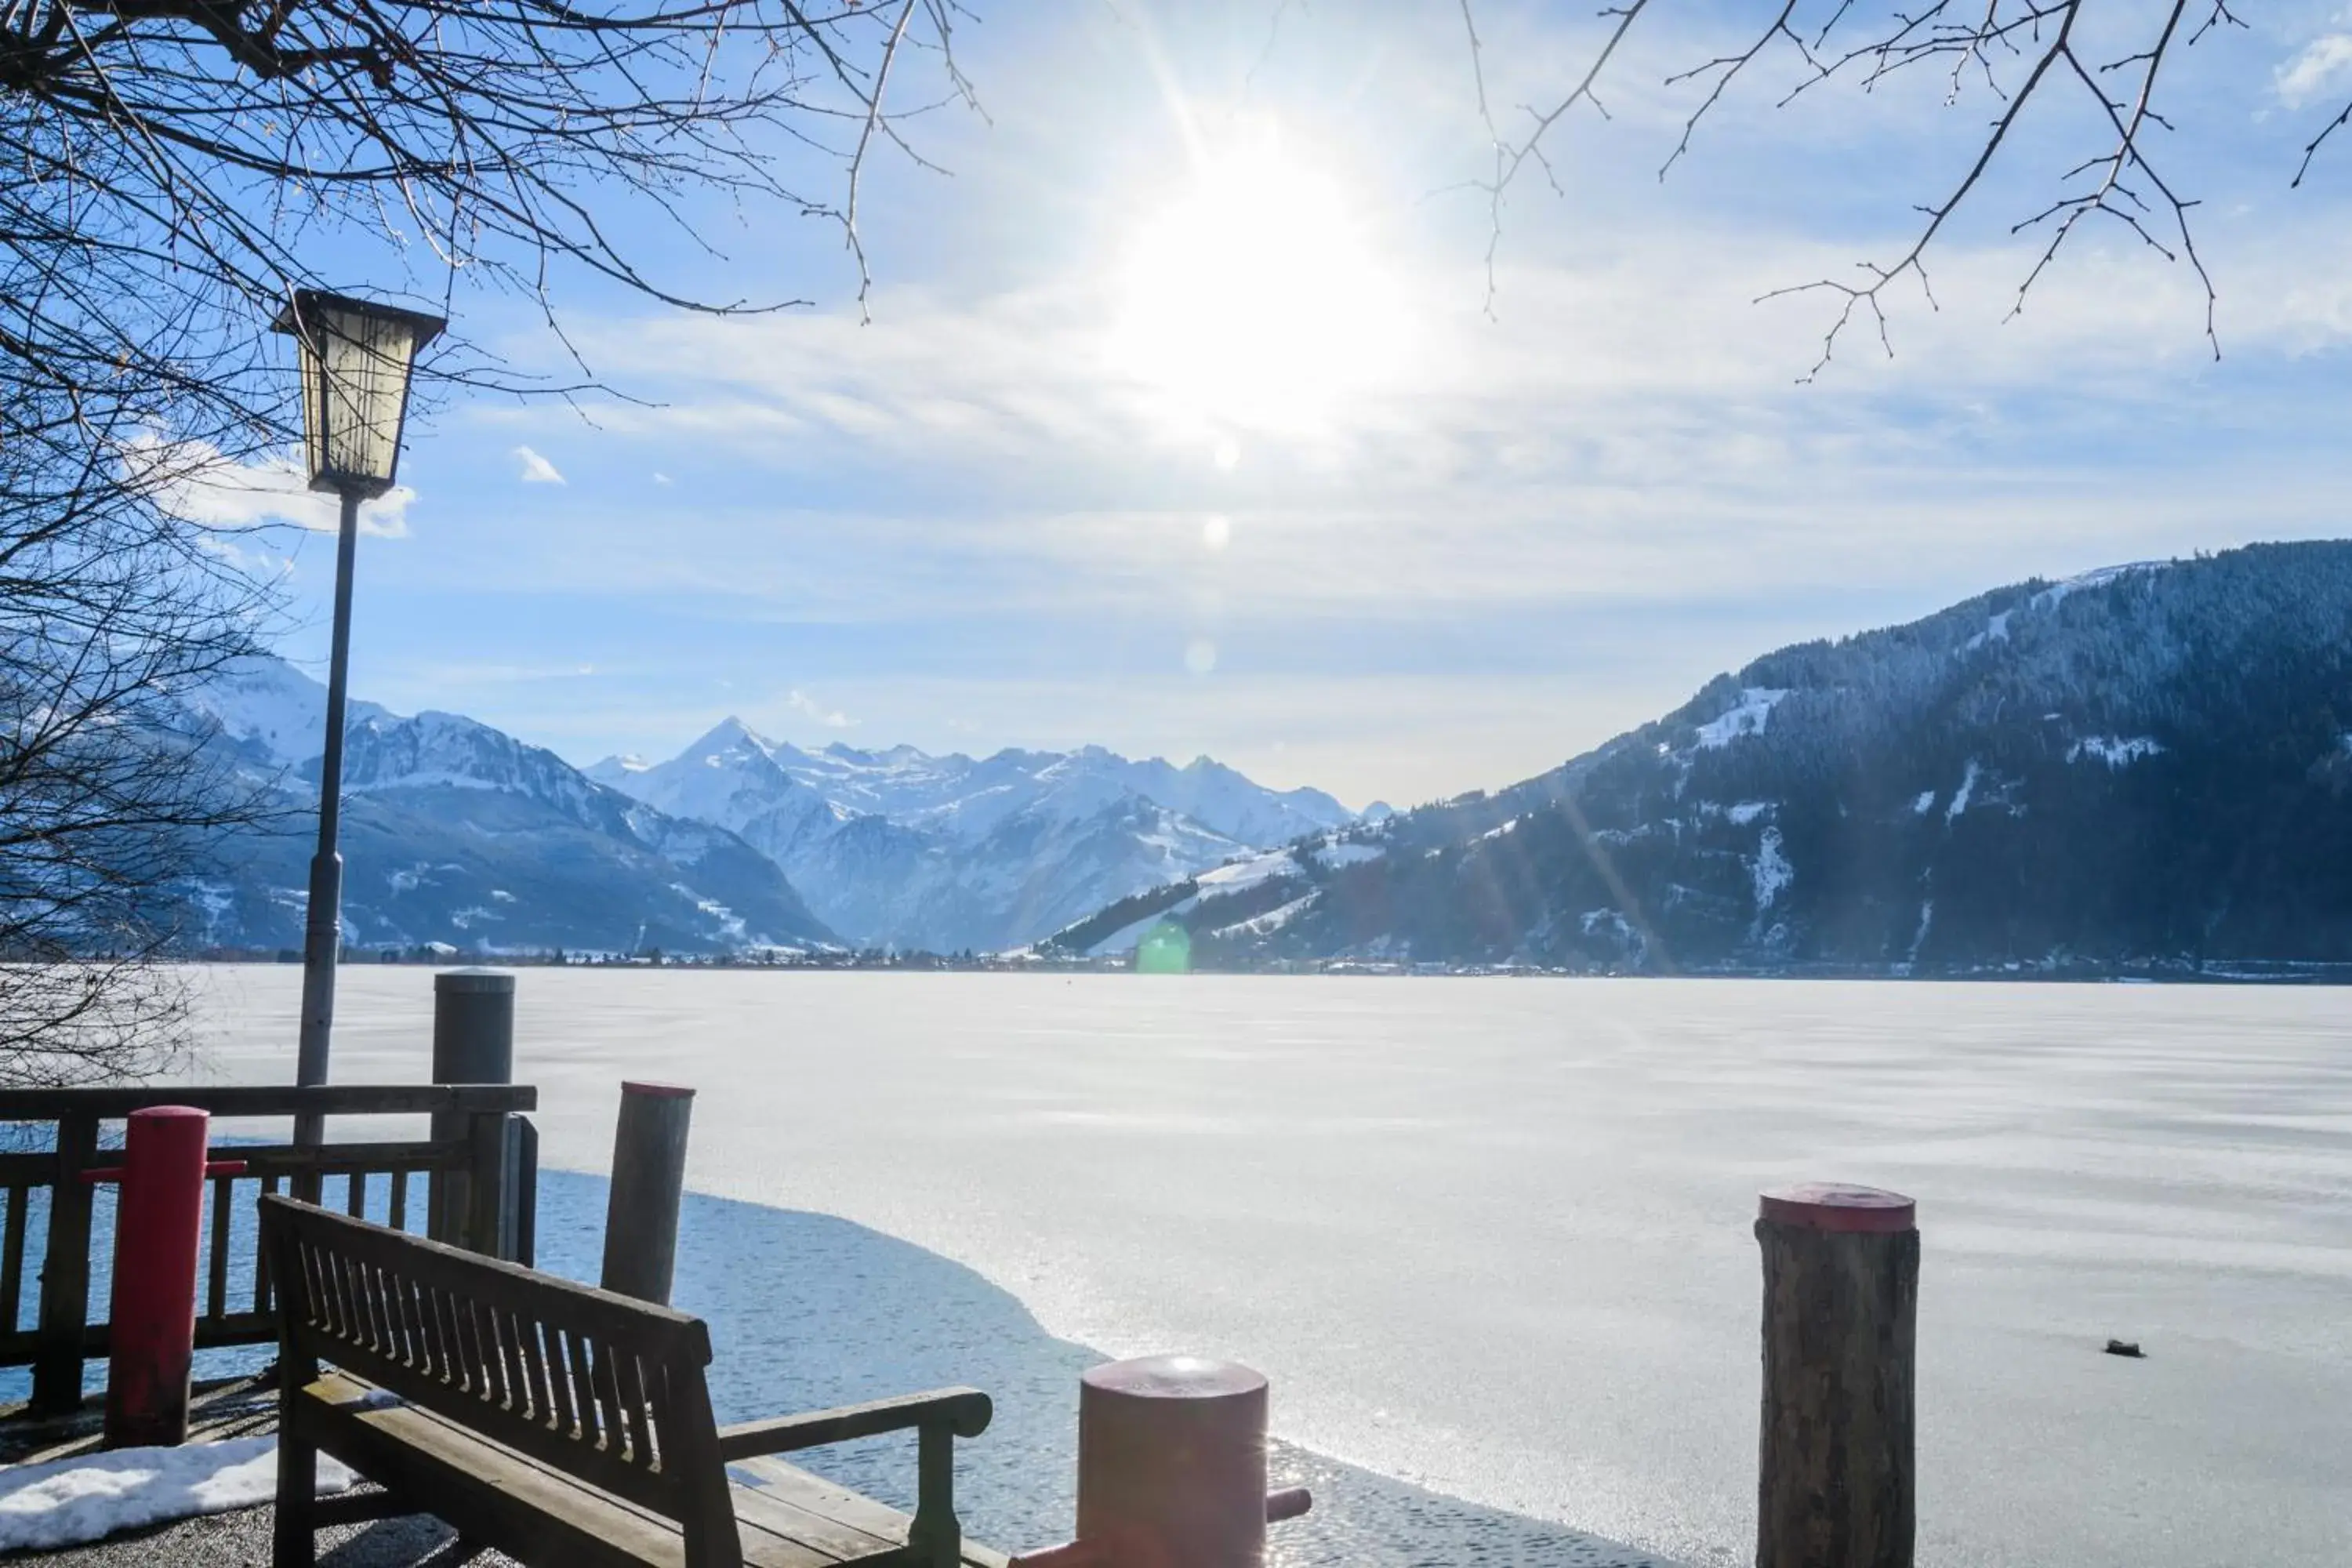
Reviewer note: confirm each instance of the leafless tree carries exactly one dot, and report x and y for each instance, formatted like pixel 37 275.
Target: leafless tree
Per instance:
pixel 2018 57
pixel 170 171
pixel 111 797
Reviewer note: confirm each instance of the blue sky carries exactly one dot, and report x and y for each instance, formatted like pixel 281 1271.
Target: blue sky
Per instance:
pixel 1366 532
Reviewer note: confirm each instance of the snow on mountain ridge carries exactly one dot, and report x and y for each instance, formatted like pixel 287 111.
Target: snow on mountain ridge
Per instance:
pixel 456 832
pixel 898 847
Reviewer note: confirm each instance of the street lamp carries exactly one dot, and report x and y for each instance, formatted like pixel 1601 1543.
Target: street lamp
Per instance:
pixel 357 357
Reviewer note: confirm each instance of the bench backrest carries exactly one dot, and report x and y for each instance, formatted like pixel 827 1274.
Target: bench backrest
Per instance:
pixel 601 1387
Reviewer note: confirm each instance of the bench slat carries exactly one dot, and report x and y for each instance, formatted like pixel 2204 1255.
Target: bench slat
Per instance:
pixel 562 1424
pixel 777 1482
pixel 353 1273
pixel 788 1517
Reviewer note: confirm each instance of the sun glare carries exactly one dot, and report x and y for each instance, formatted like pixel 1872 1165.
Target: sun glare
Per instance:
pixel 1258 297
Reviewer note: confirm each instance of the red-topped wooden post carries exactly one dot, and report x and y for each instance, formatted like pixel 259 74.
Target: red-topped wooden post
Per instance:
pixel 1172 1468
pixel 1172 1461
pixel 1840 1319
pixel 152 1323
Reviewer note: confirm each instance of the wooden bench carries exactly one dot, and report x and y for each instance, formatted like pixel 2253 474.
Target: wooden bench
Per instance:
pixel 557 1424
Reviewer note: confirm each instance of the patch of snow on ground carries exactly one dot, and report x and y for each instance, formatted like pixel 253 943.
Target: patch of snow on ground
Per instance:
pixel 1497 832
pixel 1274 919
pixel 1747 811
pixel 1773 872
pixel 729 920
pixel 1996 630
pixel 1124 938
pixel 1248 872
pixel 2113 750
pixel 1746 717
pixel 1925 803
pixel 1967 787
pixel 1349 854
pixel 2050 597
pixel 66 1503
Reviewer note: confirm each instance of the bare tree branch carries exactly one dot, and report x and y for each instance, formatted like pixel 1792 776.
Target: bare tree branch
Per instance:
pixel 2027 54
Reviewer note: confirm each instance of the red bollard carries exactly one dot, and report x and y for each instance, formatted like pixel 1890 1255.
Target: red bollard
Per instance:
pixel 154 1315
pixel 1172 1468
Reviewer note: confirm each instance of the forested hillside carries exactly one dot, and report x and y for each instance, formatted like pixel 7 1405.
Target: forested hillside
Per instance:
pixel 2150 765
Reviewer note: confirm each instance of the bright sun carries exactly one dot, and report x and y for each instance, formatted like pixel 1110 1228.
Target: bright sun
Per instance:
pixel 1256 297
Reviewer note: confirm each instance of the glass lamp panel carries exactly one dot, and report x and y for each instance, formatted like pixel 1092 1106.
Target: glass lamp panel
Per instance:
pixel 354 402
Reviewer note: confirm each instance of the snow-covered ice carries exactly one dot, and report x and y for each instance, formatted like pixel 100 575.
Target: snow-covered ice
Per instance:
pixel 1357 1186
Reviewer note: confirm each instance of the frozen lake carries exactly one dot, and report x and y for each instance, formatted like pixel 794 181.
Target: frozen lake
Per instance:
pixel 1492 1236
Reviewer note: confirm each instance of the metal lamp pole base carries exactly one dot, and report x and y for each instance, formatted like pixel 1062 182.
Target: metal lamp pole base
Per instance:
pixel 323 923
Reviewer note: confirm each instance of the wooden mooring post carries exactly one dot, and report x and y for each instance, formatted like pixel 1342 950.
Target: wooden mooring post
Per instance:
pixel 648 1185
pixel 1840 1316
pixel 473 1042
pixel 1172 1468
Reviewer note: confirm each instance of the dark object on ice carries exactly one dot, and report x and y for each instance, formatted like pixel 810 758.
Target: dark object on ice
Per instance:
pixel 2126 1348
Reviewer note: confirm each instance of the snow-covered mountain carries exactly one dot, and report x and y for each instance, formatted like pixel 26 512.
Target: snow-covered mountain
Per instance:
pixel 902 848
pixel 455 832
pixel 2147 766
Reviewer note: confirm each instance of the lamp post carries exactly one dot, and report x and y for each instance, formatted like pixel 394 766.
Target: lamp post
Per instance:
pixel 357 357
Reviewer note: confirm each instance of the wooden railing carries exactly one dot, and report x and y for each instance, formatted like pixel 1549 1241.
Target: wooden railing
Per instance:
pixel 479 1165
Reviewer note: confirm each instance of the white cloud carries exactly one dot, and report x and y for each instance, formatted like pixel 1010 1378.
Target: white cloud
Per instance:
pixel 193 481
pixel 801 702
pixel 2322 65
pixel 535 469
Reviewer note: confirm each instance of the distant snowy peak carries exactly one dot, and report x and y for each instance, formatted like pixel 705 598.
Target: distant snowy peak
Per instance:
pixel 725 774
pixel 457 834
pixel 612 771
pixel 271 713
pixel 382 750
pixel 899 846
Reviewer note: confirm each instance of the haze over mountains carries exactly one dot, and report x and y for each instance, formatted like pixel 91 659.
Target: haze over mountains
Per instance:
pixel 899 848
pixel 457 834
pixel 2150 765
pixel 2147 766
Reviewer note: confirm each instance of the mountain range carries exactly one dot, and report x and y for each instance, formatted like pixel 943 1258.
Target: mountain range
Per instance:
pixel 902 848
pixel 2147 766
pixel 459 835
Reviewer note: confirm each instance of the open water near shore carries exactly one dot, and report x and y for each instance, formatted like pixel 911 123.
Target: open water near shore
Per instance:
pixel 1491 1236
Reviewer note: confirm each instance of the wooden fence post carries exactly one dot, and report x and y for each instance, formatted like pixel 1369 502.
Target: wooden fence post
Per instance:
pixel 65 1272
pixel 1840 1313
pixel 488 1187
pixel 648 1184
pixel 473 1042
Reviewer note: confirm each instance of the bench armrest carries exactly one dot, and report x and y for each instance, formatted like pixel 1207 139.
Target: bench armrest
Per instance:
pixel 963 1411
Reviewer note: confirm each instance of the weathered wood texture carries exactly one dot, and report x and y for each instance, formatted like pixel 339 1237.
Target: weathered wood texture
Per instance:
pixel 1835 1487
pixel 560 1424
pixel 491 1138
pixel 648 1184
pixel 473 1042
